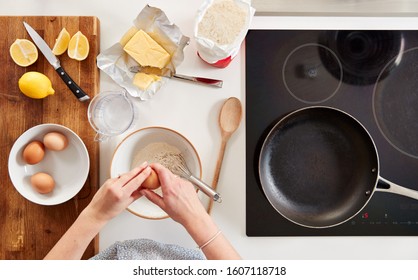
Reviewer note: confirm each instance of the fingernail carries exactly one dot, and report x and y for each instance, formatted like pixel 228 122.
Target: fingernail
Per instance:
pixel 144 164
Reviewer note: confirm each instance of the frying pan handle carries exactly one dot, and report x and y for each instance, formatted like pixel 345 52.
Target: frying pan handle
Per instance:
pixel 384 185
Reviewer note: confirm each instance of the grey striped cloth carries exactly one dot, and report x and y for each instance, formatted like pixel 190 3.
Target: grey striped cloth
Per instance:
pixel 146 249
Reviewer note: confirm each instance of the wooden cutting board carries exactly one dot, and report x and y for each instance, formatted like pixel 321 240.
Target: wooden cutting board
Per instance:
pixel 28 230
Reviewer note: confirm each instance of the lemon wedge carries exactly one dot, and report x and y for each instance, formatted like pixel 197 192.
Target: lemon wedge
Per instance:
pixel 23 52
pixel 35 85
pixel 78 47
pixel 61 43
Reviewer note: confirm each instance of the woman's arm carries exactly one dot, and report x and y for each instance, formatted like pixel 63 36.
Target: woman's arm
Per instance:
pixel 216 246
pixel 181 203
pixel 111 199
pixel 75 240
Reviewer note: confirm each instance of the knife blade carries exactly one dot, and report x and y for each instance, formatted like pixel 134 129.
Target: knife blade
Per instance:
pixel 166 72
pixel 54 61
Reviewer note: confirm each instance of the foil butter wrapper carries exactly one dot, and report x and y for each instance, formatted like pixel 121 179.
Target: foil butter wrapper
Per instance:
pixel 216 54
pixel 115 62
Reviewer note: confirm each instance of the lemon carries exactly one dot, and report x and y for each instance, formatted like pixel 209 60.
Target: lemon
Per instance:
pixel 23 52
pixel 61 43
pixel 78 47
pixel 35 85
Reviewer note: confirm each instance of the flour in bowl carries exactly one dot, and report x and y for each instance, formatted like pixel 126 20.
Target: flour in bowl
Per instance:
pixel 159 152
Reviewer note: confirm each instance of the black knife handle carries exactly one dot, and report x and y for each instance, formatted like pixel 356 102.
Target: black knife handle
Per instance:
pixel 78 92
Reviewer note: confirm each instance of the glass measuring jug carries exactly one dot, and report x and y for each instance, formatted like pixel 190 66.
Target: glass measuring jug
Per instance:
pixel 110 113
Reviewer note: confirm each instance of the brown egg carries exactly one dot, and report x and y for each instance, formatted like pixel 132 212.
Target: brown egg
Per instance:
pixel 152 182
pixel 34 152
pixel 55 141
pixel 43 183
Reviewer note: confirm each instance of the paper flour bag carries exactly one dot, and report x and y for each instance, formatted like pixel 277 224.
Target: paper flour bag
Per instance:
pixel 220 28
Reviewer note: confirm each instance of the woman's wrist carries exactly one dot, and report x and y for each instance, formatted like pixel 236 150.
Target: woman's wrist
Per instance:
pixel 90 217
pixel 202 229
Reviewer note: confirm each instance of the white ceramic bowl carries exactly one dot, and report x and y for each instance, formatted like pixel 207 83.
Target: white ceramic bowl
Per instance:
pixel 125 153
pixel 69 167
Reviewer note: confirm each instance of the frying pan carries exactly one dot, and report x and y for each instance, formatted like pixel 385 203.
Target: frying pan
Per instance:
pixel 319 167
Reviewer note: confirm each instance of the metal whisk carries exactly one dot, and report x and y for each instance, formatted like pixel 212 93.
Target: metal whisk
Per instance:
pixel 181 169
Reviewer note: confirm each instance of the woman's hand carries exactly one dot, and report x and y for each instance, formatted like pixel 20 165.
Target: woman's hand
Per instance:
pixel 116 194
pixel 179 199
pixel 112 198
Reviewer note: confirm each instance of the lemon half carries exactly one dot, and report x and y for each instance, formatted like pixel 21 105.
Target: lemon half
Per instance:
pixel 78 47
pixel 61 43
pixel 23 52
pixel 35 85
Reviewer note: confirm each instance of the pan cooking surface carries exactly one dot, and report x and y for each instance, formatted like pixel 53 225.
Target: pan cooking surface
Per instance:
pixel 316 166
pixel 288 70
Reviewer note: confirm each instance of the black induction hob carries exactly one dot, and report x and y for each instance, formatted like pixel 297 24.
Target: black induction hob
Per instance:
pixel 370 74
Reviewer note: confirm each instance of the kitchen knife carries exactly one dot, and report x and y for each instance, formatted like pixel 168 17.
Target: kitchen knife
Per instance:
pixel 53 60
pixel 165 72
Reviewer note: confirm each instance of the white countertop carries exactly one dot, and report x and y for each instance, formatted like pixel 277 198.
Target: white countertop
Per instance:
pixel 337 7
pixel 193 111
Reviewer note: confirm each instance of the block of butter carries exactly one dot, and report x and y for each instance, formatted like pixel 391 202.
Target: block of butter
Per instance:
pixel 146 51
pixel 143 81
pixel 128 35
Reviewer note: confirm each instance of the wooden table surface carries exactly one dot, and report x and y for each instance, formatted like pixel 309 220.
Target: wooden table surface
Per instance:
pixel 29 230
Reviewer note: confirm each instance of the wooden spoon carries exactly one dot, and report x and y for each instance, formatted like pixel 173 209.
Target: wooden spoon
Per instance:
pixel 229 120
